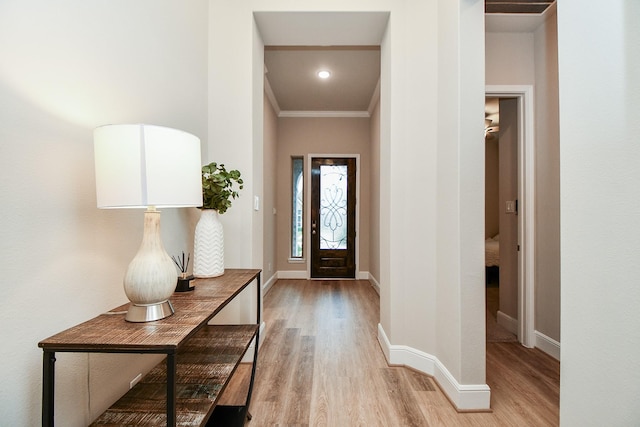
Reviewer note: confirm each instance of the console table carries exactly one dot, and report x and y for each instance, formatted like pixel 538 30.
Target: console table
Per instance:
pixel 200 358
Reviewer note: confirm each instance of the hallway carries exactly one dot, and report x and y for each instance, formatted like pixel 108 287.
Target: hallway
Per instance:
pixel 321 365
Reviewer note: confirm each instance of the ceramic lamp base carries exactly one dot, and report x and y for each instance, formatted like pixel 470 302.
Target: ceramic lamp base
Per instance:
pixel 151 276
pixel 149 312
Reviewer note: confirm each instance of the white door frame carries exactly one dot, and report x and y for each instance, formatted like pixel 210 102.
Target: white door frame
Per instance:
pixel 526 197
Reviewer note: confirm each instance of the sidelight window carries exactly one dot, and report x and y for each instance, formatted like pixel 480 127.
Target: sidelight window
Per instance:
pixel 296 211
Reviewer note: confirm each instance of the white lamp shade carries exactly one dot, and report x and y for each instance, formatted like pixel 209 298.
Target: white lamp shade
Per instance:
pixel 141 165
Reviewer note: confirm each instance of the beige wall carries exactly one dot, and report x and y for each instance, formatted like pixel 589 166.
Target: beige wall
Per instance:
pixel 509 58
pixel 304 136
pixel 374 211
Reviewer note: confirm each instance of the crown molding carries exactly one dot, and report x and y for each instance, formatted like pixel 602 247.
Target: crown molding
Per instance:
pixel 374 98
pixel 271 96
pixel 340 114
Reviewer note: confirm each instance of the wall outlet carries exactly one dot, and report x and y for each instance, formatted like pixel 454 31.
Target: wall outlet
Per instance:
pixel 135 381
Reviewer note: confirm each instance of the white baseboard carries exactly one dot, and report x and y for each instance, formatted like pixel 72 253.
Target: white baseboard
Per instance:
pixel 302 275
pixel 548 345
pixel 374 282
pixel 267 284
pixel 465 397
pixel 507 322
pixel 543 342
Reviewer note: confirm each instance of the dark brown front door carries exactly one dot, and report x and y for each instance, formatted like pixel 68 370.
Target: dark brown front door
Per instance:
pixel 333 217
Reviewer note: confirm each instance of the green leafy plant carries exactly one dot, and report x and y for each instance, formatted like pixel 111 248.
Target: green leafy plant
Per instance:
pixel 218 187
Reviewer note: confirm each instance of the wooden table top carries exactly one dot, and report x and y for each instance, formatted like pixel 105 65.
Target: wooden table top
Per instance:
pixel 109 332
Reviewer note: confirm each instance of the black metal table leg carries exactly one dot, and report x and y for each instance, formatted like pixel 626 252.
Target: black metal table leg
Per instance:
pixel 171 389
pixel 255 350
pixel 48 387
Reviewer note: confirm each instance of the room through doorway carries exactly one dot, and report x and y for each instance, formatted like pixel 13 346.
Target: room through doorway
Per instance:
pixel 501 223
pixel 509 212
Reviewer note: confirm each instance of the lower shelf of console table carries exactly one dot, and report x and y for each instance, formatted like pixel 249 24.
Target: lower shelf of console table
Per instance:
pixel 204 366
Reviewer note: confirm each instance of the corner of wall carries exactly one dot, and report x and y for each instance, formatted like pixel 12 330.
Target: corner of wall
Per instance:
pixel 464 397
pixel 547 345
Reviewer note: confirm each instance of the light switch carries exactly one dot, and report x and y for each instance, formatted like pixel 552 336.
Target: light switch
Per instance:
pixel 511 206
pixel 256 203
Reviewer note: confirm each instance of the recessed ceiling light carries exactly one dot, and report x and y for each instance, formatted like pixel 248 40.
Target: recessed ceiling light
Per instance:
pixel 324 74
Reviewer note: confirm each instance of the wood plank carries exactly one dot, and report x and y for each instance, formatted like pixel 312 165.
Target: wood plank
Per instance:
pixel 297 404
pixel 204 366
pixel 236 392
pixel 402 399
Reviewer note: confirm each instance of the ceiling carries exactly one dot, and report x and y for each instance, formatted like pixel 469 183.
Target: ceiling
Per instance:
pixel 292 75
pixel 298 44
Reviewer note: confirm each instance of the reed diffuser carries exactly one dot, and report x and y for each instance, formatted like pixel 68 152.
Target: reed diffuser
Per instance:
pixel 184 279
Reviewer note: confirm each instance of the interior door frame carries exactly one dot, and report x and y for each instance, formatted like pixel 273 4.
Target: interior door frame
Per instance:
pixel 526 197
pixel 307 209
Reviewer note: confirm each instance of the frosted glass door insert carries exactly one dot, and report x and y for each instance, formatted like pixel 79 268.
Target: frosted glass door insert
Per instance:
pixel 333 207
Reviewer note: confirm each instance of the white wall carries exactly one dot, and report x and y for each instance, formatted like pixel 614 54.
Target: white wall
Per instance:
pixel 460 194
pixel 232 122
pixel 269 192
pixel 66 68
pixel 600 208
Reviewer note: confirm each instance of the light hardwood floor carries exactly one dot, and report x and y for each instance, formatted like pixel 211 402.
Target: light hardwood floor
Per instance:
pixel 321 365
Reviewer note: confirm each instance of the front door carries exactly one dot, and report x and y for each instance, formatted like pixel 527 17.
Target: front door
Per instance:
pixel 333 217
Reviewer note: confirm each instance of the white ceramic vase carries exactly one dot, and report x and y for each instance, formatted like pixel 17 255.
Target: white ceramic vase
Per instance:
pixel 208 250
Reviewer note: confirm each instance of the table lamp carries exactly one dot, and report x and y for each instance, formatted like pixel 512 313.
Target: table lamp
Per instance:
pixel 146 166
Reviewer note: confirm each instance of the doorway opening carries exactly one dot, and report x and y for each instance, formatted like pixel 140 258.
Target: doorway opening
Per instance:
pixel 515 210
pixel 501 219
